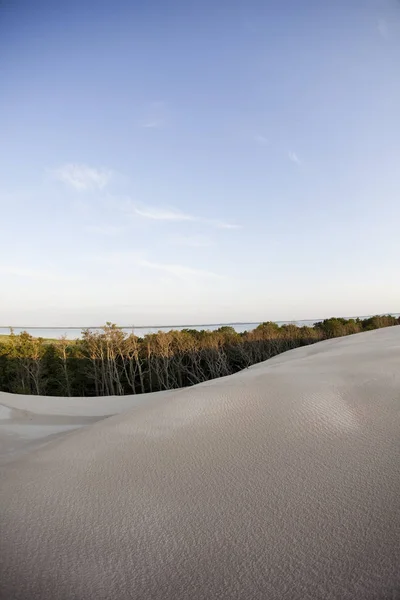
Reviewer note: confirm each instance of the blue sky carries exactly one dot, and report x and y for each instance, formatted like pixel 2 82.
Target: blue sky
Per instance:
pixel 198 162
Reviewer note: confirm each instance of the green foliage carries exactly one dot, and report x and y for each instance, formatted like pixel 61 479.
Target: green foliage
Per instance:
pixel 111 362
pixel 268 329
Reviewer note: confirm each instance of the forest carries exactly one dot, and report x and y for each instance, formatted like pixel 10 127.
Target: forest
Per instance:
pixel 112 362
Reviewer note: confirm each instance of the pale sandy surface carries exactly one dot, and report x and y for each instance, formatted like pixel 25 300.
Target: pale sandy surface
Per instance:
pixel 280 482
pixel 27 422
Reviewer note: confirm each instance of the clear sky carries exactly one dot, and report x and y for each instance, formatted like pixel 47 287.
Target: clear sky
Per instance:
pixel 187 162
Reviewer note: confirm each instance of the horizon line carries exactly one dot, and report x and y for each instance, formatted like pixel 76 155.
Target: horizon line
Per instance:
pixel 196 324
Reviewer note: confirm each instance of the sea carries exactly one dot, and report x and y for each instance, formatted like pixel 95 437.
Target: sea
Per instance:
pixel 72 333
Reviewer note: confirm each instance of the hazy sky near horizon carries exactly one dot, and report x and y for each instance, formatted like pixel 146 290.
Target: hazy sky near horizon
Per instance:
pixel 198 161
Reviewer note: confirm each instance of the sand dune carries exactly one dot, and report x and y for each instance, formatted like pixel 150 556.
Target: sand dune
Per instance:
pixel 28 422
pixel 279 482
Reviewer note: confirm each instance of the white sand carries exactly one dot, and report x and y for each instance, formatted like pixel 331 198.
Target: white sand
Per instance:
pixel 103 406
pixel 280 482
pixel 27 422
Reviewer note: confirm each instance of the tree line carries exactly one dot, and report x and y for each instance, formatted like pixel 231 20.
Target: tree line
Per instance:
pixel 113 362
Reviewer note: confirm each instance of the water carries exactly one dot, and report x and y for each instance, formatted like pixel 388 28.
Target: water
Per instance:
pixel 76 332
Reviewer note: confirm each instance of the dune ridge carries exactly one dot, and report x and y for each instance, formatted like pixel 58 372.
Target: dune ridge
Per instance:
pixel 281 481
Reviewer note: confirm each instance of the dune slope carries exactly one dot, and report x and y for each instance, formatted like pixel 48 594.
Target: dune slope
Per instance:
pixel 281 481
pixel 29 422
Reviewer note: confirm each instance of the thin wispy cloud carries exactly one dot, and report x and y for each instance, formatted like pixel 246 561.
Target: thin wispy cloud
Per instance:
pixel 155 116
pixel 160 214
pixel 194 241
pixel 82 177
pixel 155 124
pixel 172 214
pixel 261 139
pixel 222 225
pixel 294 158
pixel 383 28
pixel 128 260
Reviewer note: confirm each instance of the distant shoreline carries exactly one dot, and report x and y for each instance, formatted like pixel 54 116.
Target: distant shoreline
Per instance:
pixel 195 325
pixel 75 333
